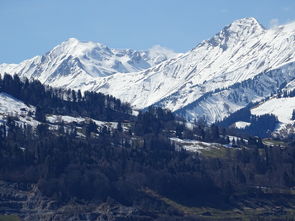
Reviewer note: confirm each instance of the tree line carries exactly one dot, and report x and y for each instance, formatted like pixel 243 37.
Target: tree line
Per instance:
pixel 48 100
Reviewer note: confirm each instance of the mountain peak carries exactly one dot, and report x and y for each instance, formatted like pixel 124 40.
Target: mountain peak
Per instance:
pixel 74 59
pixel 237 32
pixel 72 41
pixel 249 24
pixel 76 48
pixel 249 21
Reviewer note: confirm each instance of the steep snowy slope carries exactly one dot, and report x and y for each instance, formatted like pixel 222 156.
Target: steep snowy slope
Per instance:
pixel 216 105
pixel 244 62
pixel 238 53
pixel 74 62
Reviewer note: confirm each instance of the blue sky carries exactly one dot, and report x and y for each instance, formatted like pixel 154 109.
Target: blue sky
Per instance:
pixel 32 27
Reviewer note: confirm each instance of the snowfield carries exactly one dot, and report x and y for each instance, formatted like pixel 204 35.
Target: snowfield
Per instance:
pixel 280 107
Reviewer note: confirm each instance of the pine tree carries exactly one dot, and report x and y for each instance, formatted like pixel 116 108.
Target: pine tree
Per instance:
pixel 119 126
pixel 39 114
pixel 79 96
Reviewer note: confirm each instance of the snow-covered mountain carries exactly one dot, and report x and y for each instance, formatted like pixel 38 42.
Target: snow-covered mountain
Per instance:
pixel 244 62
pixel 213 80
pixel 79 62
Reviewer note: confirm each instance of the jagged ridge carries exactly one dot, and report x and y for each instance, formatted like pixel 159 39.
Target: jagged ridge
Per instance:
pixel 239 52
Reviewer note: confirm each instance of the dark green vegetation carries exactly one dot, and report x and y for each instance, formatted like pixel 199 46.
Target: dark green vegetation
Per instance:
pixel 140 167
pixel 129 169
pixel 261 126
pixel 9 218
pixel 48 100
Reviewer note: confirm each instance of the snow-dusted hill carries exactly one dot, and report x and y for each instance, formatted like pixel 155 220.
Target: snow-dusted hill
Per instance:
pixel 10 106
pixel 282 108
pixel 244 62
pixel 25 115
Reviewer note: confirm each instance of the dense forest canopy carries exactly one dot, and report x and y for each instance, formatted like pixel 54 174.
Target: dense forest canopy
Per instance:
pixel 137 157
pixel 48 100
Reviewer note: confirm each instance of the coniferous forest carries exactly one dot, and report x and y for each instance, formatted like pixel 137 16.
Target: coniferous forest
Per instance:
pixel 136 164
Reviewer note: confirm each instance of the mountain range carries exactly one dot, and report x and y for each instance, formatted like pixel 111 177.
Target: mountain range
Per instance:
pixel 242 63
pixel 227 142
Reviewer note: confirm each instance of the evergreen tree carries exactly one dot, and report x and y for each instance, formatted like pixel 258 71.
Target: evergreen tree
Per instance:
pixel 40 114
pixel 119 126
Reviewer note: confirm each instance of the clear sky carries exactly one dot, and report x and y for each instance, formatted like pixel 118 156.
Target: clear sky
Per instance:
pixel 32 27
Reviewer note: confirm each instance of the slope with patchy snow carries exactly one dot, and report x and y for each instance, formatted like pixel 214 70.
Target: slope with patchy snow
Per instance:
pixel 10 106
pixel 194 145
pixel 25 115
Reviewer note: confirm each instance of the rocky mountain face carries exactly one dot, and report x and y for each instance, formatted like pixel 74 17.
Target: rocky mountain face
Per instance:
pixel 242 63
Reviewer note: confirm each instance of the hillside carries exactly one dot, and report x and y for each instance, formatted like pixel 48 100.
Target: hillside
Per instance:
pixel 65 156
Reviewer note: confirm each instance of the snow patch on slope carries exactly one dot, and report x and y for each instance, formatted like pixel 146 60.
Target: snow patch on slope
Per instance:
pixel 10 106
pixel 193 145
pixel 57 119
pixel 280 107
pixel 241 124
